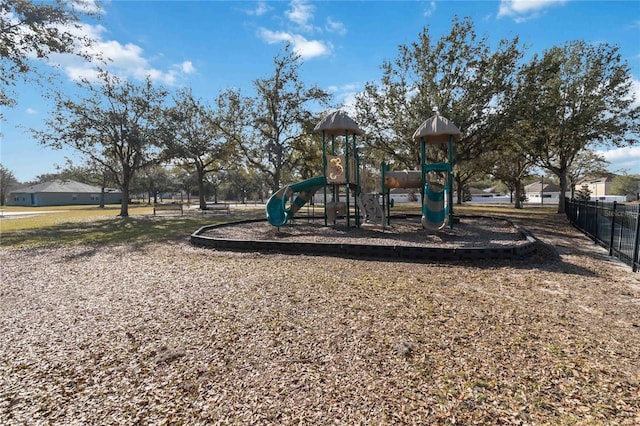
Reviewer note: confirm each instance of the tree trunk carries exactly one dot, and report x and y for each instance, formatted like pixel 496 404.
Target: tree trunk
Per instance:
pixel 459 190
pixel 563 191
pixel 202 200
pixel 276 180
pixel 124 204
pixel 518 201
pixel 102 197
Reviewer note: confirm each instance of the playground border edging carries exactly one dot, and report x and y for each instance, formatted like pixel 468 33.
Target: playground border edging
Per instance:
pixel 366 251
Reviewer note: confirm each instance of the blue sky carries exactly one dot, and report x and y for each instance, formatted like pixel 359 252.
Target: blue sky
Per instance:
pixel 212 45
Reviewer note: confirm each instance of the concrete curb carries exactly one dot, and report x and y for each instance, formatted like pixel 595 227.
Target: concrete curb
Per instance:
pixel 364 251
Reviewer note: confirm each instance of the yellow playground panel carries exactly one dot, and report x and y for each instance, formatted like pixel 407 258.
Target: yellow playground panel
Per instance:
pixel 336 170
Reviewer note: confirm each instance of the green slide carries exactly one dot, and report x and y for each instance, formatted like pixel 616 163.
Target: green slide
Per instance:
pixel 434 208
pixel 277 212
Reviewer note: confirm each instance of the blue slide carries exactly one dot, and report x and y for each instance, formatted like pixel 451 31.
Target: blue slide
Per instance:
pixel 300 193
pixel 434 209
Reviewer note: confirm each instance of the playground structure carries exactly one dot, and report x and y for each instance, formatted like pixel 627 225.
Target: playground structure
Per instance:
pixel 437 197
pixel 340 179
pixel 341 168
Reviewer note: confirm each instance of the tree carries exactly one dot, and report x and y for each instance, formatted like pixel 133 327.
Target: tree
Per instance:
pixel 29 29
pixel 118 125
pixel 458 76
pixel 281 106
pixel 584 193
pixel 573 97
pixel 154 180
pixel 511 167
pixel 586 163
pixel 197 141
pixel 625 184
pixel 238 184
pixel 185 180
pixel 306 158
pixel 7 182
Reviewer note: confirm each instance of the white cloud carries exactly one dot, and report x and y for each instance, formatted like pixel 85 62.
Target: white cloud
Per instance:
pixel 430 9
pixel 336 27
pixel 187 67
pixel 349 87
pixel 31 111
pixel 87 6
pixel 346 94
pixel 260 9
pixel 522 10
pixel 301 13
pixel 302 46
pixel 625 158
pixel 125 60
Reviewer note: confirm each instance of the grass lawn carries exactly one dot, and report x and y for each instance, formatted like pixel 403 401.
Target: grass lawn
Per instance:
pixel 63 225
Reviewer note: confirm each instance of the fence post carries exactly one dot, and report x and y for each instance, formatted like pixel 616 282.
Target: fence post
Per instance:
pixel 636 243
pixel 595 218
pixel 624 213
pixel 613 227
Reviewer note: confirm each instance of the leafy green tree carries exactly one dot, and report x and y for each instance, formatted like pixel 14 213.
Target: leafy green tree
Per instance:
pixel 584 193
pixel 31 29
pixel 586 163
pixel 7 182
pixel 238 184
pixel 185 180
pixel 306 158
pixel 282 105
pixel 625 184
pixel 510 167
pixel 573 97
pixel 154 180
pixel 459 76
pixel 258 184
pixel 198 141
pixel 118 125
pixel 214 183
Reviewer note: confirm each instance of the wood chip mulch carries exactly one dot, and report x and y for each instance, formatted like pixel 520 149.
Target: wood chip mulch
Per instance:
pixel 170 333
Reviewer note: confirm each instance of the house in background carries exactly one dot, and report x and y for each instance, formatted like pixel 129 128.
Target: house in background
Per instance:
pixel 599 187
pixel 540 193
pixel 61 193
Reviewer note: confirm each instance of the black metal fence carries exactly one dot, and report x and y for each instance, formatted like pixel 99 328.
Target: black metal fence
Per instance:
pixel 614 226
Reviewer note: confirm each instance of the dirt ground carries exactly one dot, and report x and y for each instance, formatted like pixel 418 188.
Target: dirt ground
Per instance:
pixel 170 333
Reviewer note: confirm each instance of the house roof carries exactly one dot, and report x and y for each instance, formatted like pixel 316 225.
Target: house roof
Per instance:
pixel 596 179
pixel 61 186
pixel 477 191
pixel 535 187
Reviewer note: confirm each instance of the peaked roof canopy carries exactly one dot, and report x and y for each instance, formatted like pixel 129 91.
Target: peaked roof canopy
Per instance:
pixel 337 124
pixel 436 130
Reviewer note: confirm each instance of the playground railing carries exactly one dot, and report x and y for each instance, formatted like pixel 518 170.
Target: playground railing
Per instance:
pixel 615 226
